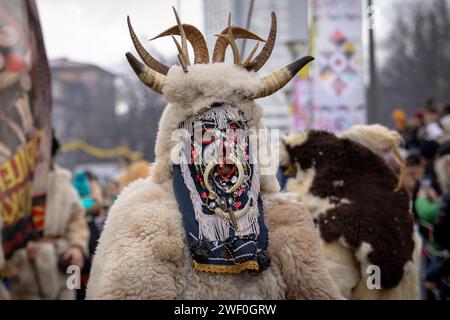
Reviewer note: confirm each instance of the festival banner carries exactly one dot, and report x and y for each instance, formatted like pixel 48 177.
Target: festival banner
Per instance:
pixel 25 124
pixel 303 112
pixel 336 98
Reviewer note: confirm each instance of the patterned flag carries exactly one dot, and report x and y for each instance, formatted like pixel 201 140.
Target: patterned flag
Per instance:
pixel 333 98
pixel 25 124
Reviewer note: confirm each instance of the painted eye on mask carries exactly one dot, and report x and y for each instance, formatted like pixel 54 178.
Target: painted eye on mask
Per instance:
pixel 205 135
pixel 209 136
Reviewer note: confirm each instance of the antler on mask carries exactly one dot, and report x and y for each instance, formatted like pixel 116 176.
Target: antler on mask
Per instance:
pixel 228 37
pixel 152 79
pixel 153 73
pixel 278 79
pixel 145 56
pixel 193 35
pixel 266 51
pixel 274 81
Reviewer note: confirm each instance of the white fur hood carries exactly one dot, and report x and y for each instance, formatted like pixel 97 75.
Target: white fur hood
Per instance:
pixel 205 84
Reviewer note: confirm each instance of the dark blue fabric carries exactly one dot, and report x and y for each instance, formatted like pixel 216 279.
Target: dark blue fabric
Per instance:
pixel 233 250
pixel 184 203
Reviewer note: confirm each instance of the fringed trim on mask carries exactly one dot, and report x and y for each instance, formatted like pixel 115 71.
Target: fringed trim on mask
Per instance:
pixel 221 115
pixel 210 227
pixel 255 189
pixel 233 269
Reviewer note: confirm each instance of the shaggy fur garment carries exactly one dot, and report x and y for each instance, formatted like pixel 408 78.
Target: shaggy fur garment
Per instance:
pixel 143 254
pixel 361 220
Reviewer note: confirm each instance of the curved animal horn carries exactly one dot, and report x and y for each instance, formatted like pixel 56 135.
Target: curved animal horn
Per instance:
pixel 278 79
pixel 148 76
pixel 222 43
pixel 266 51
pixel 196 39
pixel 151 62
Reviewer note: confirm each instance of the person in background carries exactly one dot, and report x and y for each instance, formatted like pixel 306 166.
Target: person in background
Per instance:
pixel 428 150
pixel 96 192
pixel 440 274
pixel 90 191
pixel 400 122
pixel 136 170
pixel 445 124
pixel 414 170
pixel 112 192
pixel 123 164
pixel 428 203
pixel 427 192
pixel 433 129
pixel 442 222
pixel 39 271
pixel 438 271
pixel 415 132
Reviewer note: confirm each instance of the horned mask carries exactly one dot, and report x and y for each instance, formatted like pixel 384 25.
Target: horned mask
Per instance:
pixel 154 74
pixel 192 89
pixel 220 198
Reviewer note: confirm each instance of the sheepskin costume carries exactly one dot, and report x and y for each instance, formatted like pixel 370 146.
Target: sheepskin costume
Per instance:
pixel 362 215
pixel 143 252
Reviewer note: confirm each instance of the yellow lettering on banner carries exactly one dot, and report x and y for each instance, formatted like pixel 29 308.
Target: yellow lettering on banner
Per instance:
pixel 24 199
pixel 2 185
pixel 18 167
pixel 23 158
pixel 17 202
pixel 24 161
pixel 7 211
pixel 7 175
pixel 31 152
pixel 2 182
pixel 17 205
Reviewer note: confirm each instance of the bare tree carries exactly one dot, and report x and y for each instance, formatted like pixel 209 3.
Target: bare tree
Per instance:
pixel 142 108
pixel 138 120
pixel 418 64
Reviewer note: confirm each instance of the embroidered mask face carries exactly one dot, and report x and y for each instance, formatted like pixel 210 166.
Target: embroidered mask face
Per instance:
pixel 218 156
pixel 225 225
pixel 225 158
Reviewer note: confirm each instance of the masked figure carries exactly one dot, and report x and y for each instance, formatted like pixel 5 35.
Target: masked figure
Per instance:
pixel 209 223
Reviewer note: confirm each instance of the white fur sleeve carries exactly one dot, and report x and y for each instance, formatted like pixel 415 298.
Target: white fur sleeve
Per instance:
pixel 138 250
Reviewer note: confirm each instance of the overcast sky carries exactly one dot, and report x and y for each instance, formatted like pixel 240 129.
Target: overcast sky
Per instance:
pixel 96 31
